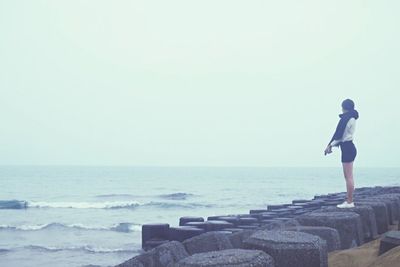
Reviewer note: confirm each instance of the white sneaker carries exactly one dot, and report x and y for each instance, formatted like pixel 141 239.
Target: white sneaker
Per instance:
pixel 345 205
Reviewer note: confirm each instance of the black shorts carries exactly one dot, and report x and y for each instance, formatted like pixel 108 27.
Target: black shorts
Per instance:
pixel 349 151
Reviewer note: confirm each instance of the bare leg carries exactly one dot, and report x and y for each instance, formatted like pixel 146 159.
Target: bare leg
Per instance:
pixel 348 175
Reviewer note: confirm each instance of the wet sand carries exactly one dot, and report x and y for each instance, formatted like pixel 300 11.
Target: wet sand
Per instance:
pixel 366 256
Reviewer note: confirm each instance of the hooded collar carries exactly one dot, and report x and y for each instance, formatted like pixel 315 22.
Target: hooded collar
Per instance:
pixel 350 114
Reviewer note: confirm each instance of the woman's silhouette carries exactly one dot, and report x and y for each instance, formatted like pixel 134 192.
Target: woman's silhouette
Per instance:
pixel 343 137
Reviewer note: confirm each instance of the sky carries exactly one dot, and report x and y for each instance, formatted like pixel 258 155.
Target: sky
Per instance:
pixel 196 83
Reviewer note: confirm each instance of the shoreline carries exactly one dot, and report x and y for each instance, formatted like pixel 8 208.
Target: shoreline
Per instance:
pixel 315 224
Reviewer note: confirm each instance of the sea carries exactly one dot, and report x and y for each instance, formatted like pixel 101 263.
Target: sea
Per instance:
pixel 62 216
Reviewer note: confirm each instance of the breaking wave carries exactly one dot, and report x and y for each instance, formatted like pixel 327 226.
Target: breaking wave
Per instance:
pixel 120 227
pixel 88 249
pixel 21 204
pixel 86 205
pixel 176 196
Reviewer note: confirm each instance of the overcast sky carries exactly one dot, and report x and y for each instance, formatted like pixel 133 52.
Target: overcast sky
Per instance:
pixel 216 83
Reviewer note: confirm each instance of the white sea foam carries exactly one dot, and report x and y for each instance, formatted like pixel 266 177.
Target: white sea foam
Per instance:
pixel 115 204
pixel 87 248
pixel 120 227
pixel 85 205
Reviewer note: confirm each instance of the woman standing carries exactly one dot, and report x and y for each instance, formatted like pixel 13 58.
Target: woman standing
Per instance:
pixel 343 137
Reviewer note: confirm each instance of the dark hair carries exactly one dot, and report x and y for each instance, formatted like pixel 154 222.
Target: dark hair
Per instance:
pixel 348 104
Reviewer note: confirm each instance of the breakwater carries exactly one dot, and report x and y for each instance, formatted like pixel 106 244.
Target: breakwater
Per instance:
pixel 301 233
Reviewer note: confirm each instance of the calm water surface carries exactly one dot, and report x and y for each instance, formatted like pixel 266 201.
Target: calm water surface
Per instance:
pixel 78 216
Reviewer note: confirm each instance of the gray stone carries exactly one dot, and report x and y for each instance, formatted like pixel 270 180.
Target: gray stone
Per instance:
pixel 228 258
pixel 152 243
pixel 223 231
pixel 284 219
pixel 275 207
pixel 169 253
pixel 390 240
pixel 299 201
pixel 367 216
pixel 182 233
pixel 232 230
pixel 257 216
pixel 396 197
pixel 293 208
pixel 238 237
pixel 390 204
pixel 138 261
pixel 300 212
pixel 248 227
pixel 393 189
pixel 381 214
pixel 278 224
pixel 230 219
pixel 248 221
pixel 201 225
pixel 258 211
pixel 286 213
pixel 242 215
pixel 348 224
pixel 330 235
pixel 333 202
pixel 290 223
pixel 289 248
pixel 270 213
pixel 321 197
pixel 215 217
pixel 186 219
pixel 286 210
pixel 215 225
pixel 163 255
pixel 272 224
pixel 310 204
pixel 210 241
pixel 154 230
pixel 267 216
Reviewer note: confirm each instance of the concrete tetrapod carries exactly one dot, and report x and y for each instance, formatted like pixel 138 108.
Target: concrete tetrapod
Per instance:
pixel 163 255
pixel 234 220
pixel 210 241
pixel 238 237
pixel 381 214
pixel 186 219
pixel 391 205
pixel 348 224
pixel 228 258
pixel 215 225
pixel 367 216
pixel 289 248
pixel 390 240
pixel 330 235
pixel 158 231
pixel 181 233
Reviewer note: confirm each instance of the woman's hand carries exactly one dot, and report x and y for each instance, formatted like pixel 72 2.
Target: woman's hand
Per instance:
pixel 328 150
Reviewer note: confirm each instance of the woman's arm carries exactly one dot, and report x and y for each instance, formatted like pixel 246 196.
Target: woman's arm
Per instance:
pixel 328 150
pixel 338 135
pixel 331 144
pixel 335 143
pixel 336 138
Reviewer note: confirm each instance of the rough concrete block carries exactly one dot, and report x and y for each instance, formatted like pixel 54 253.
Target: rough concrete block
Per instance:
pixel 289 248
pixel 228 258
